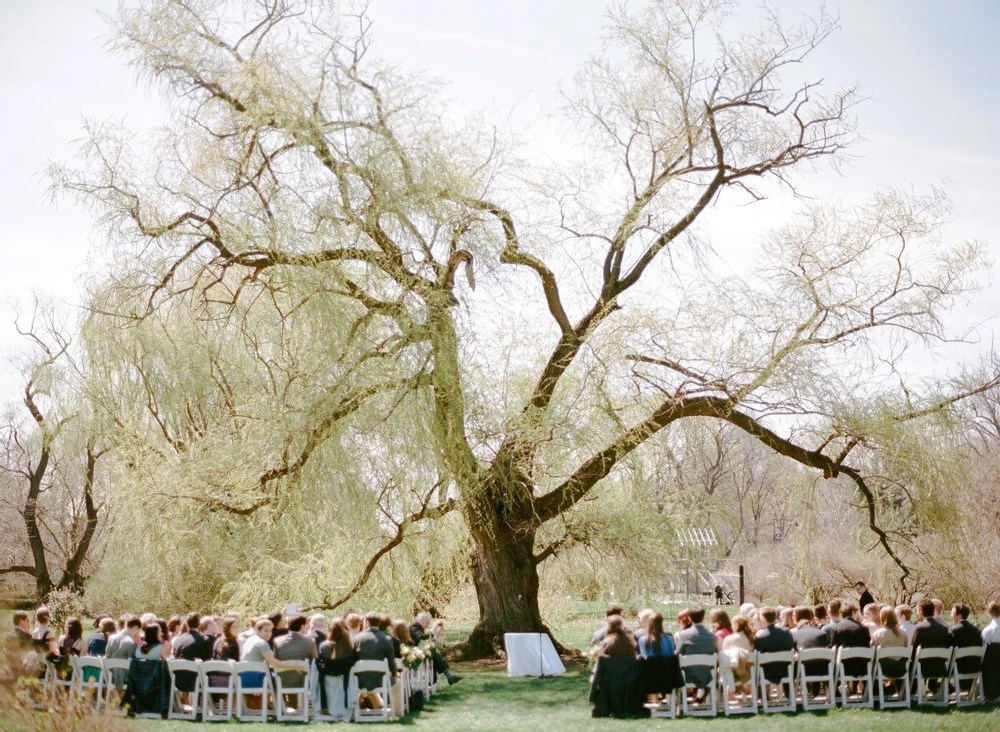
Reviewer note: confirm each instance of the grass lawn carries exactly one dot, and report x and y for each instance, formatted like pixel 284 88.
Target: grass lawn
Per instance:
pixel 487 700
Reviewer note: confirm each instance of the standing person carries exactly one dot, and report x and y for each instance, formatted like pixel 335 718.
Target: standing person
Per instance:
pixel 864 596
pixel 419 631
pixel 696 639
pixel 370 645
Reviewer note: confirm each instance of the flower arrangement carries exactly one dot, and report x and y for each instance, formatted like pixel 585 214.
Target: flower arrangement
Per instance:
pixel 413 657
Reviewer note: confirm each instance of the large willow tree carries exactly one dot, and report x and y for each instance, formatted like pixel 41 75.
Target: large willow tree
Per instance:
pixel 306 235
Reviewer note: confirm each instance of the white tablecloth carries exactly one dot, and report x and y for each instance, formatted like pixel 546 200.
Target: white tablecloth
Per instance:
pixel 531 654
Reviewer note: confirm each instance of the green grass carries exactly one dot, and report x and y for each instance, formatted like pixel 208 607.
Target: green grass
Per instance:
pixel 487 700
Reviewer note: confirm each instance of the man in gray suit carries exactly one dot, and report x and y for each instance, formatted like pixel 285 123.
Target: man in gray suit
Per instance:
pixel 373 645
pixel 122 645
pixel 693 640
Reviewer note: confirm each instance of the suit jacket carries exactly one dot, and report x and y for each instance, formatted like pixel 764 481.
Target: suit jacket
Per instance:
pixel 966 635
pixel 809 636
pixel 774 639
pixel 417 633
pixel 849 633
pixel 371 645
pixel 694 641
pixel 865 599
pixel 931 633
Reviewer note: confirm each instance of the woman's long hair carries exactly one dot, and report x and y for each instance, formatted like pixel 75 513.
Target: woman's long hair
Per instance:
pixel 721 618
pixel 887 616
pixel 151 637
pixel 402 632
pixel 654 630
pixel 227 643
pixel 340 637
pixel 74 628
pixel 742 625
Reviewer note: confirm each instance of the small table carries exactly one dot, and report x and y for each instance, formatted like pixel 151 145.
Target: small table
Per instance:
pixel 532 654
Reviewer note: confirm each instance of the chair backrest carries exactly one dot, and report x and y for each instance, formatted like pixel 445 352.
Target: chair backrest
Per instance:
pixel 895 654
pixel 217 667
pixel 174 665
pixel 252 667
pixel 776 657
pixel 927 654
pixel 817 654
pixel 81 662
pixel 970 652
pixel 367 667
pixel 697 659
pixel 851 653
pixel 115 663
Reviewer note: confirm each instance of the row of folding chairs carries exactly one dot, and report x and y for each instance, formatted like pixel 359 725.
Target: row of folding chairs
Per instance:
pixel 97 683
pixel 819 679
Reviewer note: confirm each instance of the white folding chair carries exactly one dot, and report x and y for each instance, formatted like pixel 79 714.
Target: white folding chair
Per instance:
pixel 864 700
pixel 53 683
pixel 709 707
pixel 116 671
pixel 747 704
pixel 973 658
pixel 213 708
pixel 785 686
pixel 817 656
pixel 177 708
pixel 941 658
pixel 384 690
pixel 430 680
pixel 900 700
pixel 244 688
pixel 299 712
pixel 88 678
pixel 403 682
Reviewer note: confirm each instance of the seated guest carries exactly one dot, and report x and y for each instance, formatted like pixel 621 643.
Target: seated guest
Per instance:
pixel 355 624
pixel 930 632
pixel 225 648
pixel 191 645
pixel 695 639
pixel 773 639
pixel 820 620
pixel 991 633
pixel 154 646
pixel 616 641
pixel 903 615
pixel 122 645
pixel 370 645
pixel 869 617
pixel 721 625
pixel 295 645
pixel 850 633
pixel 71 642
pixel 963 634
pixel 98 643
pixel 17 648
pixel 786 618
pixel 278 625
pixel 598 636
pixel 890 635
pixel 805 633
pixel 746 608
pixel 656 641
pixel 317 628
pixel 938 607
pixel 641 621
pixel 336 656
pixel 175 627
pixel 833 611
pixel 421 630
pixel 737 647
pixel 256 649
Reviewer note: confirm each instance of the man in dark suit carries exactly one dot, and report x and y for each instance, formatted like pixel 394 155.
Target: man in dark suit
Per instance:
pixel 930 633
pixel 371 645
pixel 695 640
pixel 864 596
pixel 191 646
pixel 850 633
pixel 807 635
pixel 773 639
pixel 963 634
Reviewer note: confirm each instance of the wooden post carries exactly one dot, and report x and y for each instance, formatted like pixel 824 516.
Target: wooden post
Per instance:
pixel 742 586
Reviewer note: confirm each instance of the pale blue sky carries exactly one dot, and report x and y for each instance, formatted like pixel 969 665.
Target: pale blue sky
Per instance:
pixel 929 69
